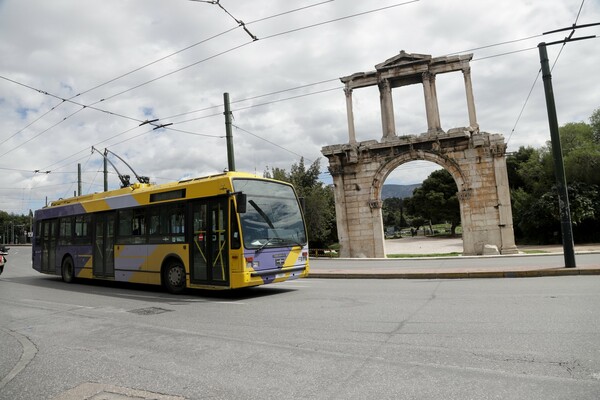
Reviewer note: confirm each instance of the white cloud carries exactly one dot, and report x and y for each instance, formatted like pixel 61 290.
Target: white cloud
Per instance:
pixel 67 47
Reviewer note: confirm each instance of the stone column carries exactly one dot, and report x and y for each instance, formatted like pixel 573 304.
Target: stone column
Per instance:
pixel 387 109
pixel 337 174
pixel 431 108
pixel 378 250
pixel 350 114
pixel 470 99
pixel 505 220
pixel 436 114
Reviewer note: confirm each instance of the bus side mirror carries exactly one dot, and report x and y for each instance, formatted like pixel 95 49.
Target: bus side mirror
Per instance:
pixel 303 204
pixel 240 199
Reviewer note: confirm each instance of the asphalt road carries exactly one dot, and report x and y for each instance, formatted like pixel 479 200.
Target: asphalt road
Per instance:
pixel 534 338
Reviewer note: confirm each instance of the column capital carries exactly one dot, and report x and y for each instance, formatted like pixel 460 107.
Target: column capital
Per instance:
pixel 428 76
pixel 384 84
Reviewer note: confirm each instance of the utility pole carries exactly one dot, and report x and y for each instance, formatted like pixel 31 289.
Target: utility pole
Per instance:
pixel 228 133
pixel 105 172
pixel 78 179
pixel 559 169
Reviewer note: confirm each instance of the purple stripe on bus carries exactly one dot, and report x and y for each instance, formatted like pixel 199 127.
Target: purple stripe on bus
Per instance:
pixel 56 212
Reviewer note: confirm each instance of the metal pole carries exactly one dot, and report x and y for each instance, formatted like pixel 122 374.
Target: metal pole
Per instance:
pixel 559 170
pixel 228 133
pixel 105 174
pixel 78 179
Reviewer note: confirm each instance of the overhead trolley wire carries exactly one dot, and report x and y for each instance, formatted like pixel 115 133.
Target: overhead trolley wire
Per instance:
pixel 268 141
pixel 91 106
pixel 537 77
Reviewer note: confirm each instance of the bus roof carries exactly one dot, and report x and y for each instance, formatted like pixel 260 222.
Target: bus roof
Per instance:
pixel 211 185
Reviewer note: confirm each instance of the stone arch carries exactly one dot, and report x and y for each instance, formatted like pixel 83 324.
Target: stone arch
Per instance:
pixel 475 159
pixel 386 168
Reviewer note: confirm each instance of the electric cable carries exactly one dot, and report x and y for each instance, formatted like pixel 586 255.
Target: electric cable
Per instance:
pixel 268 141
pixel 538 76
pixel 334 79
pixel 32 122
pixel 143 66
pixel 41 133
pixel 239 22
pixel 254 97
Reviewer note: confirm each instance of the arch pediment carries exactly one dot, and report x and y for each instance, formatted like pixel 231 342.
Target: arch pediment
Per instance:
pixel 402 60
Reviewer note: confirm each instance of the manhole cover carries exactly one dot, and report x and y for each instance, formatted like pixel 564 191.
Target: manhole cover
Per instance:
pixel 150 311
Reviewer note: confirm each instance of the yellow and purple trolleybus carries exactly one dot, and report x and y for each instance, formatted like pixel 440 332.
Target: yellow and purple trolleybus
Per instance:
pixel 225 231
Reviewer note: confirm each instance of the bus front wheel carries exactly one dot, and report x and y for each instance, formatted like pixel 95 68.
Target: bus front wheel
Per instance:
pixel 174 277
pixel 68 270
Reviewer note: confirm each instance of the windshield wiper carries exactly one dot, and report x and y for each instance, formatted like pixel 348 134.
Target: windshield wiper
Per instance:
pixel 268 242
pixel 262 213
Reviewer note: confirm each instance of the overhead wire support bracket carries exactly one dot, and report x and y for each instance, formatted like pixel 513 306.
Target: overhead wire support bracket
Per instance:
pixel 571 27
pixel 148 122
pixel 569 39
pixel 161 126
pixel 239 21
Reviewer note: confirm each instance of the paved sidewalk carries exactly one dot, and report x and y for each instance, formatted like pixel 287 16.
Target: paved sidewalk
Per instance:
pixel 458 267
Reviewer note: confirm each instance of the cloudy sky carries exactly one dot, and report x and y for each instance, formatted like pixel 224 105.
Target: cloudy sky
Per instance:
pixel 77 74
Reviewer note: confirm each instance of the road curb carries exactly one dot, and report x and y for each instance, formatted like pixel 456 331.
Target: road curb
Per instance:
pixel 456 275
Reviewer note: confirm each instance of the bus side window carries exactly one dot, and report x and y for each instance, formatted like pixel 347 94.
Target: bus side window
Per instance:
pixel 82 223
pixel 65 232
pixel 139 222
pixel 177 222
pixel 37 235
pixel 125 223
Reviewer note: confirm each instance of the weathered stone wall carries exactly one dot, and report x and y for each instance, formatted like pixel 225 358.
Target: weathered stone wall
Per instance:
pixel 475 160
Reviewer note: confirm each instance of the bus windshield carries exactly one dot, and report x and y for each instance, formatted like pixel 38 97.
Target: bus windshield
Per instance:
pixel 273 217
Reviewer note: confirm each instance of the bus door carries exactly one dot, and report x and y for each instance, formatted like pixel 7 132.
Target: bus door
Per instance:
pixel 104 244
pixel 49 236
pixel 208 246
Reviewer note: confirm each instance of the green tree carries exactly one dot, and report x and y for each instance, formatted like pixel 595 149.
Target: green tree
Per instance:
pixel 13 227
pixel 514 163
pixel 533 190
pixel 318 198
pixel 436 200
pixel 393 213
pixel 595 123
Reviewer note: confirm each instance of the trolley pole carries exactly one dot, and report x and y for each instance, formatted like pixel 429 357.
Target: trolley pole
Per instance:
pixel 559 170
pixel 228 133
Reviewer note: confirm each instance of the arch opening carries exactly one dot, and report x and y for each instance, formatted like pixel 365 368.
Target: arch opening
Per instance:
pixel 420 210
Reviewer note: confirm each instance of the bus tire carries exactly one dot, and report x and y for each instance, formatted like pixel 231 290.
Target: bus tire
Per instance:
pixel 174 277
pixel 68 270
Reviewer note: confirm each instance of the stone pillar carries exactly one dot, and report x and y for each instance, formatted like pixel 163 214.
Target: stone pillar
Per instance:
pixel 505 220
pixel 470 99
pixel 350 114
pixel 339 192
pixel 387 110
pixel 431 108
pixel 378 246
pixel 436 114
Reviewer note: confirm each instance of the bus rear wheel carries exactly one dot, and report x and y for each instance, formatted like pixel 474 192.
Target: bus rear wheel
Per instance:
pixel 68 270
pixel 174 277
